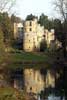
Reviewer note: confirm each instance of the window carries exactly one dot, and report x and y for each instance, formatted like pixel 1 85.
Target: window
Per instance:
pixel 30 29
pixel 44 36
pixel 30 23
pixel 30 88
pixel 35 47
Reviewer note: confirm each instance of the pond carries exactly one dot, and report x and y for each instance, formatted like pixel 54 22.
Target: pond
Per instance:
pixel 36 80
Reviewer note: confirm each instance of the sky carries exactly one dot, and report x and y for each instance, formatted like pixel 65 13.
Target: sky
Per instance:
pixel 36 7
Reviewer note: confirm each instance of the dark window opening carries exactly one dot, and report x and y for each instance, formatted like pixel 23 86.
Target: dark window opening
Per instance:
pixel 30 23
pixel 30 88
pixel 35 47
pixel 30 29
pixel 44 36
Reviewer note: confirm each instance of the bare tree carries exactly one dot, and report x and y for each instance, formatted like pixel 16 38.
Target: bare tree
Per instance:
pixel 6 4
pixel 61 6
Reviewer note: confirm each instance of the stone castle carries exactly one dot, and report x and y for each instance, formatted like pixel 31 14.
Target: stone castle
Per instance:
pixel 32 34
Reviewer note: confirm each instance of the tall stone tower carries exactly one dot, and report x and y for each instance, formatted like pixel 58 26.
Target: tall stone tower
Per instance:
pixel 33 35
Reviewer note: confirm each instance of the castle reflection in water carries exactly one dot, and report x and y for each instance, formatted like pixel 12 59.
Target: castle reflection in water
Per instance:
pixel 33 80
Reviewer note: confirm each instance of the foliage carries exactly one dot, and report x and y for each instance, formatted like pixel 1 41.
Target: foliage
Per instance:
pixel 6 4
pixel 57 24
pixel 12 94
pixel 43 46
pixel 1 42
pixel 44 21
pixel 30 17
pixel 15 19
pixel 61 6
pixel 8 26
pixel 25 56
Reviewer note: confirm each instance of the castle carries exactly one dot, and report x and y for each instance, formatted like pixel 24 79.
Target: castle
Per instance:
pixel 33 34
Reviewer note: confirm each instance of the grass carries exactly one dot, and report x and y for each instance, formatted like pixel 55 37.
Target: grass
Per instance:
pixel 22 59
pixel 9 94
pixel 6 91
pixel 13 94
pixel 24 56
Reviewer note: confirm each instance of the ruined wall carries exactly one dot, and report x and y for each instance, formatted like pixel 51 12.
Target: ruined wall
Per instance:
pixel 33 35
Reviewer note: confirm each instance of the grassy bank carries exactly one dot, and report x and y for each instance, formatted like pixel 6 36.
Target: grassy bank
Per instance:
pixel 20 59
pixel 12 94
pixel 25 56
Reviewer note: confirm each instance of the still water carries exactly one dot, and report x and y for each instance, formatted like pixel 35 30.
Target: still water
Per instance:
pixel 36 81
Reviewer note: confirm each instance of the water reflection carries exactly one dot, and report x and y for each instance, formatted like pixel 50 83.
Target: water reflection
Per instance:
pixel 34 81
pixel 38 81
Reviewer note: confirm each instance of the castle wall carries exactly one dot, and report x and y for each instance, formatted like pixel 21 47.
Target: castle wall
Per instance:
pixel 33 35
